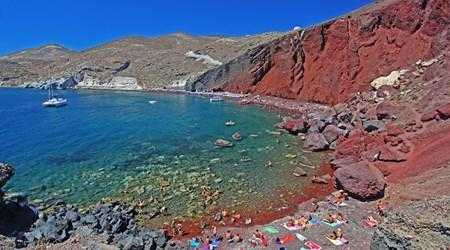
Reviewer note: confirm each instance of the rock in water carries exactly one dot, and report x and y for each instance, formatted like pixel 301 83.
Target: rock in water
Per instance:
pixel 361 181
pixel 6 172
pixel 237 136
pixel 223 143
pixel 316 141
pixel 299 172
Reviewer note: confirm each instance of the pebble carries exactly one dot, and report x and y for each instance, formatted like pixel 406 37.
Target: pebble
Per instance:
pixel 290 156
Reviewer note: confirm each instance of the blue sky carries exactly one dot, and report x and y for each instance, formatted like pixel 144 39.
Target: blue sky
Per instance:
pixel 80 24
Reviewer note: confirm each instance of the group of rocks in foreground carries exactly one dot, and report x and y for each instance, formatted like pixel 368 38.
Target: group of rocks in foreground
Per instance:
pixel 108 223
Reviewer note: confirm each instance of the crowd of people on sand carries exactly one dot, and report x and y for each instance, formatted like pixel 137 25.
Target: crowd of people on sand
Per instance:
pixel 302 222
pixel 213 241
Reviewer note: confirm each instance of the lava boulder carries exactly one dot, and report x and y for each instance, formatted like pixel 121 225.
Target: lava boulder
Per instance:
pixel 361 181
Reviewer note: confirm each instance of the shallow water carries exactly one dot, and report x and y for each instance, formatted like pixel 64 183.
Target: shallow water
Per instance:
pixel 116 145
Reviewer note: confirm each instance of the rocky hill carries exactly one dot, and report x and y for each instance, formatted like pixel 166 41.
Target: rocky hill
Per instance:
pixel 418 225
pixel 328 62
pixel 129 63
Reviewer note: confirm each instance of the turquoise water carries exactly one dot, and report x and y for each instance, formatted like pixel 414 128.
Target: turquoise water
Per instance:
pixel 115 145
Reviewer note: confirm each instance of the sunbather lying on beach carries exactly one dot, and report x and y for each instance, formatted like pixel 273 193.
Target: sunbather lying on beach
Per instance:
pixel 229 235
pixel 340 194
pixel 291 223
pixel 340 217
pixel 260 238
pixel 237 238
pixel 381 208
pixel 302 222
pixel 370 221
pixel 338 197
pixel 336 234
pixel 235 218
pixel 331 218
pixel 319 180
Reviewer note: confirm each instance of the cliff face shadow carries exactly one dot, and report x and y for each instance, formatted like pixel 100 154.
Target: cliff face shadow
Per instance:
pixel 15 218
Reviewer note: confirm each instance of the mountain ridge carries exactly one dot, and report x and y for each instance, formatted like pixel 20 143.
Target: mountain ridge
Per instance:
pixel 142 62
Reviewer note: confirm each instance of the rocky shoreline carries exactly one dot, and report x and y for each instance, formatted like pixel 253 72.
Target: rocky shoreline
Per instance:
pixel 107 223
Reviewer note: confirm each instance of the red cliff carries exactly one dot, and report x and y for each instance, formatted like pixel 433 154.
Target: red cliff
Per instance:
pixel 329 62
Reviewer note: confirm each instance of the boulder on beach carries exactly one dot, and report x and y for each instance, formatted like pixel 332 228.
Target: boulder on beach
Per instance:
pixel 361 181
pixel 390 154
pixel 373 125
pixel 343 162
pixel 332 133
pixel 317 125
pixel 444 111
pixel 223 143
pixel 294 126
pixel 316 141
pixel 15 213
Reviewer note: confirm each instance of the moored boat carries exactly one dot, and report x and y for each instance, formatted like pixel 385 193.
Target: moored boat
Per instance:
pixel 54 101
pixel 216 99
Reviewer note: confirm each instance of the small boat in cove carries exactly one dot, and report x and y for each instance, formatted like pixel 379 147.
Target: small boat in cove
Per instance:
pixel 54 101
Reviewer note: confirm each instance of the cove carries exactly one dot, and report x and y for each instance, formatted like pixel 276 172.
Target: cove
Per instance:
pixel 116 146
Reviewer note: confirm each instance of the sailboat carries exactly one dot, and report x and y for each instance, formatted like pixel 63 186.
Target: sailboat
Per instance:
pixel 54 101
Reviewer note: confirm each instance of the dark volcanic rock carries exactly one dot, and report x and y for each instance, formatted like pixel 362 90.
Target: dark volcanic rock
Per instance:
pixel 316 141
pixel 361 180
pixel 113 223
pixel 373 125
pixel 6 172
pixel 16 215
pixel 131 243
pixel 418 225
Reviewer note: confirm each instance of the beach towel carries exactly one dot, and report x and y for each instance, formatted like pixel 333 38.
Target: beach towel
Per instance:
pixel 300 237
pixel 338 242
pixel 313 245
pixel 195 244
pixel 271 230
pixel 334 224
pixel 286 238
pixel 294 228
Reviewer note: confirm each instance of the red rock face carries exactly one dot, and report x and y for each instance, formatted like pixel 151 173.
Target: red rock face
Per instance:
pixel 332 61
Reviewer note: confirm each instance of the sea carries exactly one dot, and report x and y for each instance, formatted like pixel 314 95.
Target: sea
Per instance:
pixel 148 148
